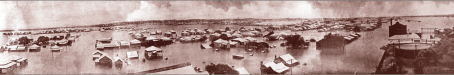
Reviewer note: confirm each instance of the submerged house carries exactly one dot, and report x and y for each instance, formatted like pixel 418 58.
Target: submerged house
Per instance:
pixel 287 60
pixel 118 62
pixel 9 63
pixel 34 47
pixel 133 54
pixel 97 54
pixel 104 60
pixel 273 68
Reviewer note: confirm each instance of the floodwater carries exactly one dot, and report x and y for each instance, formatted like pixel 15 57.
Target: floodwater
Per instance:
pixel 360 56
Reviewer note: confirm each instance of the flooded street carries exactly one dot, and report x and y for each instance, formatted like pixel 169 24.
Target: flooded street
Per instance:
pixel 361 56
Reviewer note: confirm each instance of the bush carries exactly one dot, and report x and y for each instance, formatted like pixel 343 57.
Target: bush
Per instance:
pixel 220 69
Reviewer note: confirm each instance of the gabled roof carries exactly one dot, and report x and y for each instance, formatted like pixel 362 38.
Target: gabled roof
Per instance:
pixel 55 47
pixel 103 57
pixel 135 41
pixel 153 48
pixel 279 68
pixel 34 46
pixel 397 24
pixel 269 64
pixel 116 59
pixel 287 57
pixel 98 52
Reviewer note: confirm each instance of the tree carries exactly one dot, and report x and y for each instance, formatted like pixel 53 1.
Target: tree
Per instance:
pixel 227 28
pixel 295 41
pixel 220 69
pixel 24 40
pixel 43 39
pixel 389 66
pixel 224 37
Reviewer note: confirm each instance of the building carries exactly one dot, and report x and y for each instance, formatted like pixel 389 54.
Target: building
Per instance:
pixel 118 62
pixel 133 54
pixel 104 60
pixel 9 63
pixel 397 29
pixel 288 60
pixel 404 39
pixel 97 54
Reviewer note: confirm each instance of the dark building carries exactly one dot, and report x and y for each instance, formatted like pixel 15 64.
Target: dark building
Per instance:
pixel 397 29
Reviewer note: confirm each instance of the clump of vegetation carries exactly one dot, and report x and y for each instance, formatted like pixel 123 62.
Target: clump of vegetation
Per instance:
pixel 391 64
pixel 220 69
pixel 24 40
pixel 295 41
pixel 440 54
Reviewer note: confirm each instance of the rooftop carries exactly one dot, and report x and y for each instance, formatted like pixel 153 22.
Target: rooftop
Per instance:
pixel 410 36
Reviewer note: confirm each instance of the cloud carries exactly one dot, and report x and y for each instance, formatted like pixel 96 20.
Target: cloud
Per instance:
pixel 11 17
pixel 45 14
pixel 220 10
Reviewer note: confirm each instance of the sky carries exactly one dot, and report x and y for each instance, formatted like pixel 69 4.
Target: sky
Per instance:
pixel 45 14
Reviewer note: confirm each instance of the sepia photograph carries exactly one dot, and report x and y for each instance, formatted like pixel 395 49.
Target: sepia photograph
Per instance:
pixel 227 37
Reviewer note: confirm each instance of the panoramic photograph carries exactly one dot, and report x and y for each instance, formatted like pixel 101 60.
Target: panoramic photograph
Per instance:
pixel 226 37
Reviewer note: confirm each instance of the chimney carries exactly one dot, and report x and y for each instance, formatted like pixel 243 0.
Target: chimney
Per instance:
pixel 391 21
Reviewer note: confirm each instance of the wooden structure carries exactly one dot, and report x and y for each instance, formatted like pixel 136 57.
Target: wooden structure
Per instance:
pixel 397 29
